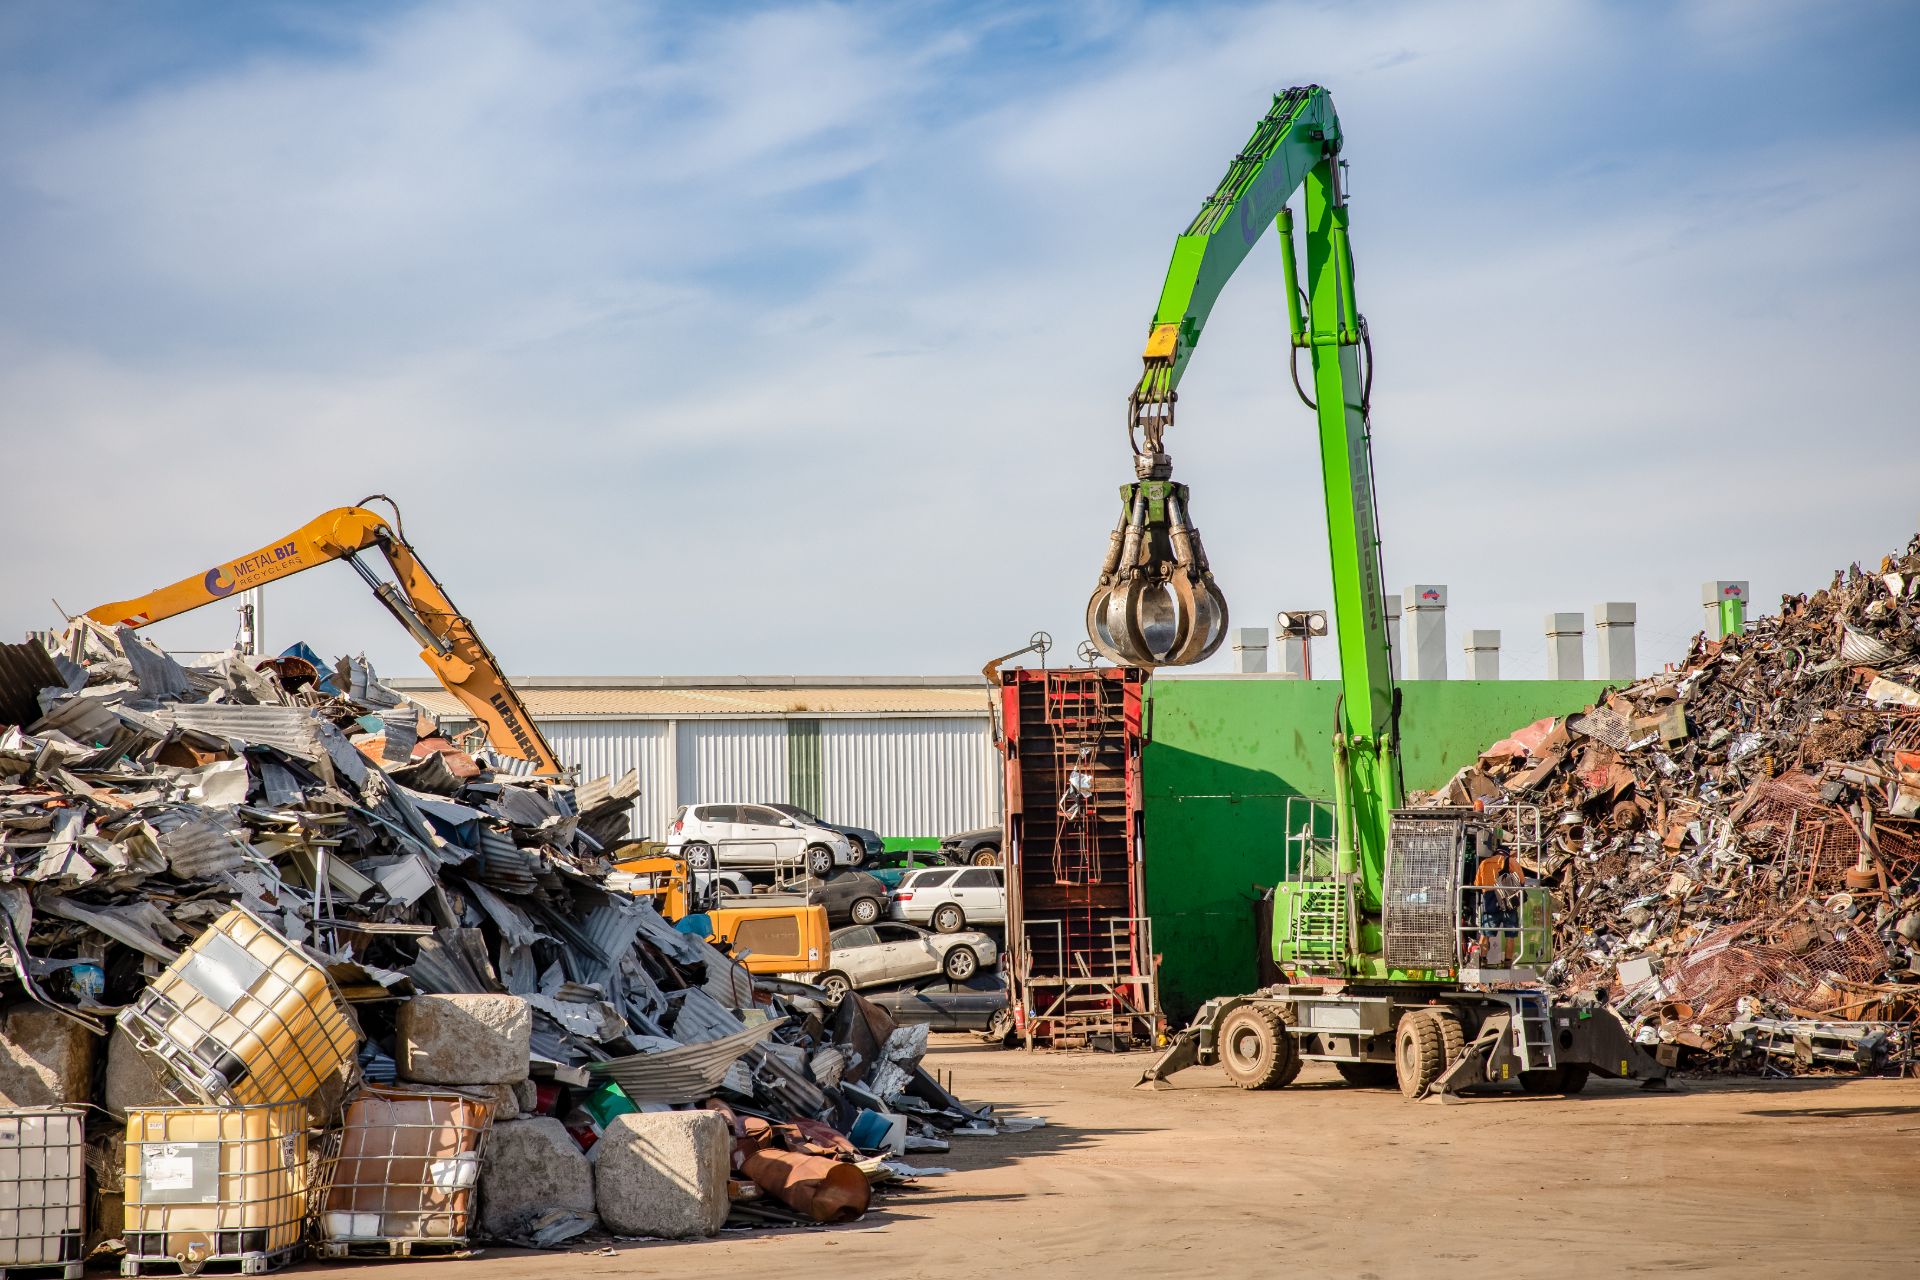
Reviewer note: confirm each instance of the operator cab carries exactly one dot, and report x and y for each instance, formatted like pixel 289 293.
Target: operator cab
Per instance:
pixel 1458 899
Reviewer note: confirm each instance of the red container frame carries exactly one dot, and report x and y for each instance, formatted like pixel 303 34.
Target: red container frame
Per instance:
pixel 1079 941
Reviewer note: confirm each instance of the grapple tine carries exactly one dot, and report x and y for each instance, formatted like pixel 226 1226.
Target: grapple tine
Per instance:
pixel 1097 632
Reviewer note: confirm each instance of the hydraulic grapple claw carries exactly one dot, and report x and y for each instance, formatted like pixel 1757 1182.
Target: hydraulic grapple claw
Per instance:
pixel 1156 604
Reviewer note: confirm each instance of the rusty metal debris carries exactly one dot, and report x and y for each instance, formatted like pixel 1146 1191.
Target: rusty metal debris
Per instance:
pixel 1736 840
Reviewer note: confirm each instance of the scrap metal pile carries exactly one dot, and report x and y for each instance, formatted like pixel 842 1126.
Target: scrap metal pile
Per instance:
pixel 161 823
pixel 1736 841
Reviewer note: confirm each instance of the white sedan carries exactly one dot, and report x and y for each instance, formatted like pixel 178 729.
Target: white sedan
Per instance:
pixel 879 954
pixel 951 898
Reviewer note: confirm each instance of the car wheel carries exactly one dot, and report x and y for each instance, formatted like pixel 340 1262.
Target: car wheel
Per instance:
pixel 858 849
pixel 819 860
pixel 961 963
pixel 835 985
pixel 699 856
pixel 986 855
pixel 1000 1030
pixel 864 910
pixel 949 919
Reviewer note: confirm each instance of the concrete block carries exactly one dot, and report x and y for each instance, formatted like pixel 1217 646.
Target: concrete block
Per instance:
pixel 45 1059
pixel 532 1166
pixel 503 1098
pixel 464 1039
pixel 663 1173
pixel 527 1094
pixel 133 1079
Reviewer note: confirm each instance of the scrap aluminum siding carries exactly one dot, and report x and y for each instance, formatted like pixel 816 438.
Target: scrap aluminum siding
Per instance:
pixel 910 777
pixel 615 747
pixel 732 761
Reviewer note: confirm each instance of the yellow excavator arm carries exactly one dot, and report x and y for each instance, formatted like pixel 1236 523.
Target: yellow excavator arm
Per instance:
pixel 448 642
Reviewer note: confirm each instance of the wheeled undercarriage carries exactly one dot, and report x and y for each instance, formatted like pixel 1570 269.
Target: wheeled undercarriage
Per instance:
pixel 1437 1040
pixel 1483 1018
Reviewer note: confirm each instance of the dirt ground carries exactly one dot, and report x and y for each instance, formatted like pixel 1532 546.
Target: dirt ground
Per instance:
pixel 1743 1178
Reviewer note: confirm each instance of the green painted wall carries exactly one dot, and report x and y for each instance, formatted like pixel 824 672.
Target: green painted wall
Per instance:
pixel 1220 759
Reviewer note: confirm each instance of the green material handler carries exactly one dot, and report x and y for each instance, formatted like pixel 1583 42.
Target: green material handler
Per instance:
pixel 1410 939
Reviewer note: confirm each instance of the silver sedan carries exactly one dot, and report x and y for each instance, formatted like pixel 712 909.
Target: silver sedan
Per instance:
pixel 880 954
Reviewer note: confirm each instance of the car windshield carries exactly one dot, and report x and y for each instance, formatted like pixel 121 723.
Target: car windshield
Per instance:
pixel 795 811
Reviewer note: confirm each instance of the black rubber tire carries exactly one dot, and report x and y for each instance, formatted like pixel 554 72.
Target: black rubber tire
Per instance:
pixel 1000 1029
pixel 1573 1077
pixel 1255 1049
pixel 960 963
pixel 949 918
pixel 699 855
pixel 987 855
pixel 864 910
pixel 858 848
pixel 1453 1036
pixel 835 984
pixel 1366 1075
pixel 819 861
pixel 1416 1053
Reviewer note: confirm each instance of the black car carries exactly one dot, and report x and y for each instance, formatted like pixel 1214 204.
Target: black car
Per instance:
pixel 850 897
pixel 866 844
pixel 978 1004
pixel 980 848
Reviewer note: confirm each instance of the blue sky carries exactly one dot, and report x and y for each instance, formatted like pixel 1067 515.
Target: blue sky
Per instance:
pixel 705 339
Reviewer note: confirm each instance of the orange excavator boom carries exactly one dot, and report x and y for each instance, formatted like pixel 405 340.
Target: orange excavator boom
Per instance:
pixel 448 643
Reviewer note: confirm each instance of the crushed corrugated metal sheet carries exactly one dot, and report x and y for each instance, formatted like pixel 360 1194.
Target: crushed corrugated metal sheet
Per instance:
pixel 141 800
pixel 292 729
pixel 684 1073
pixel 25 670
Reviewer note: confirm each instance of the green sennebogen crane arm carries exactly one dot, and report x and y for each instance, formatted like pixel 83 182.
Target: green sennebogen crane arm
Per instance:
pixel 1296 148
pixel 1299 133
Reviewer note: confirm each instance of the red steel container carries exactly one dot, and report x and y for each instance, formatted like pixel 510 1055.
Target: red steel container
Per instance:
pixel 1079 942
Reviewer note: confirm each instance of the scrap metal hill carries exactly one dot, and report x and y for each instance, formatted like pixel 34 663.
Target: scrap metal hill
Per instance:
pixel 1736 840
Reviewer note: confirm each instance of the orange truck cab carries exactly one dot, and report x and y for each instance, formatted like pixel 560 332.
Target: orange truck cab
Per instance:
pixel 782 938
pixel 773 935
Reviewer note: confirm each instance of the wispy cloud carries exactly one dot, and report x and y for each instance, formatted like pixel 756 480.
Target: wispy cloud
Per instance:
pixel 796 336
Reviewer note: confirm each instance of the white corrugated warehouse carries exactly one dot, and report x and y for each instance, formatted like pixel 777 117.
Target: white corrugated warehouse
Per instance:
pixel 907 756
